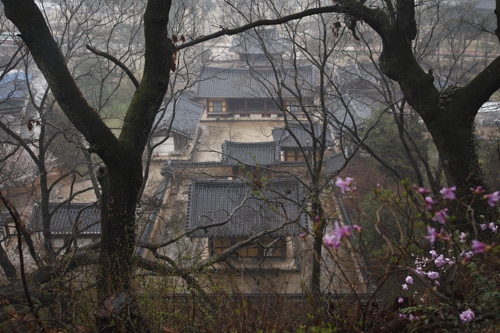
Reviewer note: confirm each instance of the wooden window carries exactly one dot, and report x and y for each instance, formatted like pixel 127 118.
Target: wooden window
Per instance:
pixel 294 108
pixel 217 106
pixel 277 250
pixel 293 155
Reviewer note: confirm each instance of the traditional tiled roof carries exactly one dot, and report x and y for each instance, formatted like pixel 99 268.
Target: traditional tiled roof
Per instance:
pixel 250 153
pixel 303 134
pixel 3 218
pixel 187 117
pixel 251 42
pixel 248 209
pixel 64 218
pixel 254 83
pixel 335 162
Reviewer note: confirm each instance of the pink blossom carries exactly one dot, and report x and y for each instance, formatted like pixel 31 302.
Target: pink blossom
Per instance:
pixel 423 191
pixel 331 241
pixel 448 193
pixel 433 253
pixel 345 185
pixel 467 256
pixel 357 228
pixel 467 316
pixel 409 280
pixel 479 247
pixel 432 235
pixel 412 317
pixel 433 275
pixel 493 227
pixel 492 198
pixel 405 286
pixel 316 219
pixel 428 203
pixel 440 261
pixel 440 216
pixel 303 235
pixel 342 232
pixel 401 315
pixel 483 226
pixel 401 300
pixel 477 190
pixel 463 236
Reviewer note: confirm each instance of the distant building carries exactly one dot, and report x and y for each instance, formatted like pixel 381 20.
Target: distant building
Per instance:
pixel 81 219
pixel 186 115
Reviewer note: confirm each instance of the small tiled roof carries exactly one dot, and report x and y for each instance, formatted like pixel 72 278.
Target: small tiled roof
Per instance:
pixel 250 153
pixel 3 218
pixel 252 211
pixel 303 134
pixel 251 41
pixel 253 83
pixel 63 219
pixel 187 117
pixel 335 162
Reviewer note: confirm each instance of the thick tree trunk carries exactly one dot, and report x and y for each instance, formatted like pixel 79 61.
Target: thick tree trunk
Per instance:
pixel 118 202
pixel 7 266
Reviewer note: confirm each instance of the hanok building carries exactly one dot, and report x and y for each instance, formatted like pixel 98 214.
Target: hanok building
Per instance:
pixel 179 119
pixel 226 212
pixel 79 220
pixel 296 142
pixel 250 87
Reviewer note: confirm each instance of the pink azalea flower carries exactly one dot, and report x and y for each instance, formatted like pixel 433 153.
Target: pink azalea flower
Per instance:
pixel 479 247
pixel 492 198
pixel 423 191
pixel 401 300
pixel 331 241
pixel 463 236
pixel 477 190
pixel 428 203
pixel 432 235
pixel 342 232
pixel 433 275
pixel 405 286
pixel 440 216
pixel 448 193
pixel 401 315
pixel 345 185
pixel 467 256
pixel 483 226
pixel 467 316
pixel 357 228
pixel 409 280
pixel 493 227
pixel 303 235
pixel 439 261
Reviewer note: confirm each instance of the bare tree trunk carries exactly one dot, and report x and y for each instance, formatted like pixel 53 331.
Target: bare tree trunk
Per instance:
pixel 7 266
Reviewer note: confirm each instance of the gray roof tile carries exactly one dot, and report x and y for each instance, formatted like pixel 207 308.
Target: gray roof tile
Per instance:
pixel 303 134
pixel 335 162
pixel 64 218
pixel 187 117
pixel 250 153
pixel 253 83
pixel 212 201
